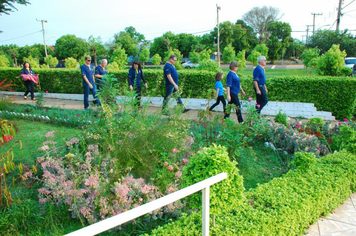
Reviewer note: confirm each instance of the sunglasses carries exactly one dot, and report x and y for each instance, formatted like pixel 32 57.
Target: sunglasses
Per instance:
pixel 88 60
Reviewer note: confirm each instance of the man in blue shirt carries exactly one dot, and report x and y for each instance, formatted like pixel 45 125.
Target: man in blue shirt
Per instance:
pixel 88 82
pixel 259 83
pixel 171 76
pixel 100 72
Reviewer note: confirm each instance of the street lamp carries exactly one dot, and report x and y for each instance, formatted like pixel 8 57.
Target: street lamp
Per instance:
pixel 217 11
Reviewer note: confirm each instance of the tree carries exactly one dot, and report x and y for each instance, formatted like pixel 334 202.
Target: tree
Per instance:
pixel 129 40
pixel 51 61
pixel 205 41
pixel 34 62
pixel 113 66
pixel 259 19
pixel 332 63
pixel 295 48
pixel 4 62
pixel 71 62
pixel 70 46
pixel 96 48
pixel 179 56
pixel 310 57
pixel 14 52
pixel 186 43
pixel 6 6
pixel 324 39
pixel 156 60
pixel 162 44
pixel 120 57
pixel 240 58
pixel 248 40
pixel 228 54
pixel 259 50
pixel 194 57
pixel 144 55
pixel 279 39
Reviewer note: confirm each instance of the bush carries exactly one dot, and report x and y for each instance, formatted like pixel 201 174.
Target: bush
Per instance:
pixel 281 118
pixel 4 62
pixel 71 63
pixel 332 63
pixel 156 59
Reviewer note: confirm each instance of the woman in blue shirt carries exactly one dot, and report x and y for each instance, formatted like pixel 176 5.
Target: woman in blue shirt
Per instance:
pixel 219 91
pixel 135 77
pixel 233 88
pixel 28 83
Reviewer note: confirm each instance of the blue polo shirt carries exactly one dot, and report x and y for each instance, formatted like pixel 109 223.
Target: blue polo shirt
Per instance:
pixel 88 72
pixel 169 69
pixel 233 81
pixel 259 75
pixel 26 72
pixel 219 85
pixel 100 71
pixel 136 75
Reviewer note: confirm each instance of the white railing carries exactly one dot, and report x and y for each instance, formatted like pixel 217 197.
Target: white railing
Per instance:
pixel 124 217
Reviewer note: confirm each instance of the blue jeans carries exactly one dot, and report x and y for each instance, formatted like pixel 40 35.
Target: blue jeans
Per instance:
pixel 169 91
pixel 235 100
pixel 86 94
pixel 262 99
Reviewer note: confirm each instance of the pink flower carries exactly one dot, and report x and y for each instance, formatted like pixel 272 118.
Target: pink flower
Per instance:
pixel 46 91
pixel 318 148
pixel 78 115
pixel 258 105
pixel 339 123
pixel 165 163
pixel 174 150
pixel 346 120
pixel 297 125
pixel 140 200
pixel 250 99
pixel 184 160
pixel 170 167
pixel 178 174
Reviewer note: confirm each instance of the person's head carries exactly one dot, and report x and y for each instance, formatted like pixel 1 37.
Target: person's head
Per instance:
pixel 87 59
pixel 234 65
pixel 219 76
pixel 136 65
pixel 262 60
pixel 172 59
pixel 104 63
pixel 27 65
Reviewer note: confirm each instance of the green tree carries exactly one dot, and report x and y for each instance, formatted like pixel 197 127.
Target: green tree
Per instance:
pixel 51 61
pixel 163 44
pixel 144 55
pixel 156 59
pixel 186 43
pixel 120 57
pixel 96 48
pixel 113 66
pixel 129 40
pixel 194 57
pixel 71 62
pixel 34 62
pixel 259 19
pixel 295 48
pixel 4 62
pixel 259 50
pixel 280 34
pixel 176 52
pixel 205 55
pixel 310 57
pixel 6 6
pixel 228 54
pixel 332 62
pixel 70 46
pixel 248 39
pixel 240 58
pixel 205 42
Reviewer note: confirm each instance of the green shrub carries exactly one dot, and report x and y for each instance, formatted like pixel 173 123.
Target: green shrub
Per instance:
pixel 304 160
pixel 71 63
pixel 281 118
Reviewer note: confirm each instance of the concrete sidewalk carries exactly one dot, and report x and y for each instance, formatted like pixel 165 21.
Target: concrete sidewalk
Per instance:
pixel 342 222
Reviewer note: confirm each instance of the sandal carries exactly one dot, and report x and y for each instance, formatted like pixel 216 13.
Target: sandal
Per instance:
pixel 25 97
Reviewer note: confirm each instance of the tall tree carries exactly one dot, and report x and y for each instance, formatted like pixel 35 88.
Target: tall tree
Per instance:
pixel 163 44
pixel 186 43
pixel 248 40
pixel 96 48
pixel 259 19
pixel 70 46
pixel 6 6
pixel 279 39
pixel 129 40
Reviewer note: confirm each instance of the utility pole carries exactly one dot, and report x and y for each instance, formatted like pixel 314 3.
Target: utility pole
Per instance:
pixel 338 16
pixel 316 14
pixel 217 11
pixel 306 41
pixel 44 37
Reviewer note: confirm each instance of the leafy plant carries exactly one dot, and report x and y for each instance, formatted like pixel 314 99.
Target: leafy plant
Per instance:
pixel 281 118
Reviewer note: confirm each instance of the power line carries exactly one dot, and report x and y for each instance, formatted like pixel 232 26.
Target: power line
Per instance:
pixel 21 36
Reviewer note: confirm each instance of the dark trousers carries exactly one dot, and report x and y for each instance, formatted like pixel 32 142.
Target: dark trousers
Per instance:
pixel 235 100
pixel 138 96
pixel 30 88
pixel 87 89
pixel 262 99
pixel 100 83
pixel 169 91
pixel 220 98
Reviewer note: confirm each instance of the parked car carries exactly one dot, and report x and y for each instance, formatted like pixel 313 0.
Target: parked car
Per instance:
pixel 190 64
pixel 350 62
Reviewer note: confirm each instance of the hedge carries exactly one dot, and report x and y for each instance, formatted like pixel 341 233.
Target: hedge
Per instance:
pixel 284 206
pixel 334 94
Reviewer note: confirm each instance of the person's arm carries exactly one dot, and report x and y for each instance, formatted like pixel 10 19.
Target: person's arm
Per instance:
pixel 258 91
pixel 86 79
pixel 144 80
pixel 266 88
pixel 97 73
pixel 217 93
pixel 228 94
pixel 242 90
pixel 170 79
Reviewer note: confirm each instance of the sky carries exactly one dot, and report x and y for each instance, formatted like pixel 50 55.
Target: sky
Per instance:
pixel 156 17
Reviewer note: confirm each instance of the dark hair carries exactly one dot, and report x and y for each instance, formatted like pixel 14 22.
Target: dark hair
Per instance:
pixel 218 76
pixel 29 65
pixel 233 64
pixel 137 63
pixel 172 56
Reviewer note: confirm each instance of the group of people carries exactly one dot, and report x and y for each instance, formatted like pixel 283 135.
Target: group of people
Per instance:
pixel 95 79
pixel 233 87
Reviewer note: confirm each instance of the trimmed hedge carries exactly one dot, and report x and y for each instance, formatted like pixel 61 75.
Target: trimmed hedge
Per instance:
pixel 284 206
pixel 334 94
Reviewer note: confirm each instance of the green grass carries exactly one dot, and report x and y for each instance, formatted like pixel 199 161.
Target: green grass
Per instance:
pixel 32 135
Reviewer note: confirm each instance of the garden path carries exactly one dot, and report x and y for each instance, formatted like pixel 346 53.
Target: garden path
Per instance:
pixel 340 222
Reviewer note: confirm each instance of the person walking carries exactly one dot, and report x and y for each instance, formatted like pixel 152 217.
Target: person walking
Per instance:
pixel 233 88
pixel 135 77
pixel 171 76
pixel 219 91
pixel 100 72
pixel 30 79
pixel 89 82
pixel 259 84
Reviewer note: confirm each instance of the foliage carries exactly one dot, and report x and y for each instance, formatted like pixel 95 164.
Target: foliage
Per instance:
pixel 304 160
pixel 228 54
pixel 71 63
pixel 310 57
pixel 253 57
pixel 113 66
pixel 259 50
pixel 128 41
pixel 194 57
pixel 51 61
pixel 281 118
pixel 156 59
pixel 120 57
pixel 4 62
pixel 209 65
pixel 240 58
pixel 144 55
pixel 7 5
pixel 332 62
pixel 345 139
pixel 70 46
pixel 179 56
pixel 97 48
pixel 34 62
pixel 280 34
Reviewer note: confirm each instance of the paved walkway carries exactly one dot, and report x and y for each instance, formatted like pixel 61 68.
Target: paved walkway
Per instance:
pixel 342 222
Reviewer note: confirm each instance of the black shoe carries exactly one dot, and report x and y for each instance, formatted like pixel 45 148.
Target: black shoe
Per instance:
pixel 186 110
